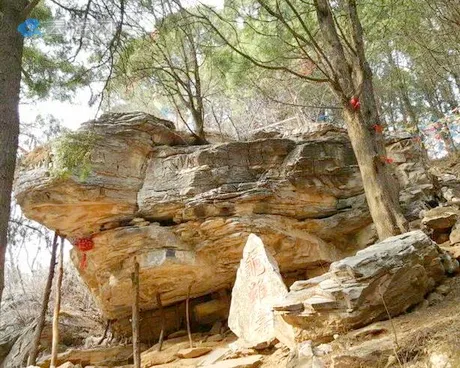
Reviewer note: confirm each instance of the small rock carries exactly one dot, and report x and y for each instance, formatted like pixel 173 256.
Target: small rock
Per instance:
pixel 434 298
pixel 179 333
pixel 443 289
pixel 455 234
pixel 266 344
pixel 438 360
pixel 192 352
pixel 215 338
pixel 69 365
pixel 450 264
pixel 136 220
pixel 421 306
pixel 241 352
pixel 154 357
pixel 305 349
pixel 216 328
pixel 323 349
pixel 252 361
pixel 440 218
pixel 453 251
pixel 391 361
pixel 214 356
pixel 305 357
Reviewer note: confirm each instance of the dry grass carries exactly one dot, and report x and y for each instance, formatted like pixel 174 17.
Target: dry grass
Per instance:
pixel 23 297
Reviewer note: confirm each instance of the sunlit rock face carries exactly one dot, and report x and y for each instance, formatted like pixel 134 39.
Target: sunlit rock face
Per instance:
pixel 185 212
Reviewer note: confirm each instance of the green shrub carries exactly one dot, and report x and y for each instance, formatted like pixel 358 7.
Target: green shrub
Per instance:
pixel 72 154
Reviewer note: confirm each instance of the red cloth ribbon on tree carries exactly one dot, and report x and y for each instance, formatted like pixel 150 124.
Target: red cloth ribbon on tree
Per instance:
pixel 355 103
pixel 386 160
pixel 378 128
pixel 84 245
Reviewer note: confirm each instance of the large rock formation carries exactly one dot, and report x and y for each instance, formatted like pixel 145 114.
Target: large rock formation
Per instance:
pixel 185 211
pixel 379 282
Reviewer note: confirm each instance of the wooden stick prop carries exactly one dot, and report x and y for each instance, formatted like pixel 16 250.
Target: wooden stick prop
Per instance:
pixel 163 322
pixel 135 317
pixel 46 297
pixel 187 316
pixel 57 308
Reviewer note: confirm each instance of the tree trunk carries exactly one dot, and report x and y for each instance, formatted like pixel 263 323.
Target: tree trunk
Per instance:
pixel 46 297
pixel 355 80
pixel 199 126
pixel 11 47
pixel 57 308
pixel 379 194
pixel 135 317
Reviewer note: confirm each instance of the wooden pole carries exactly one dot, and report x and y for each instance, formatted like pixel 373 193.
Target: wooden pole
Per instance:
pixel 57 307
pixel 187 316
pixel 46 297
pixel 163 322
pixel 135 317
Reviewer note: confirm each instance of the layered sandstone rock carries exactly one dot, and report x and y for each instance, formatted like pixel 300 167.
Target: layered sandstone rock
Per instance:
pixel 186 211
pixel 380 281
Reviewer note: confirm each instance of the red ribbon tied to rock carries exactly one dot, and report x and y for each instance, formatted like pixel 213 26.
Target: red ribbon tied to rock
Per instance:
pixel 84 245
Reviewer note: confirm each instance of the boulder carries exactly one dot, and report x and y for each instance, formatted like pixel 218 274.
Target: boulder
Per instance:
pixel 257 287
pixel 69 365
pixel 382 280
pixel 441 218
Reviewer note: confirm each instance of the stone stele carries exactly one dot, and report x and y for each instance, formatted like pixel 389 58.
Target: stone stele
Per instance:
pixel 257 287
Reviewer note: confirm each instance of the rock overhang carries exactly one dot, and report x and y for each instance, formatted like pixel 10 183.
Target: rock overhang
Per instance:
pixel 186 211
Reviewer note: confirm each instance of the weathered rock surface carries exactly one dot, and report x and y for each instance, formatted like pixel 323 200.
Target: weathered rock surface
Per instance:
pixel 441 218
pixel 454 236
pixel 257 287
pixel 111 356
pixel 185 211
pixel 385 278
pixel 192 352
pixel 252 361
